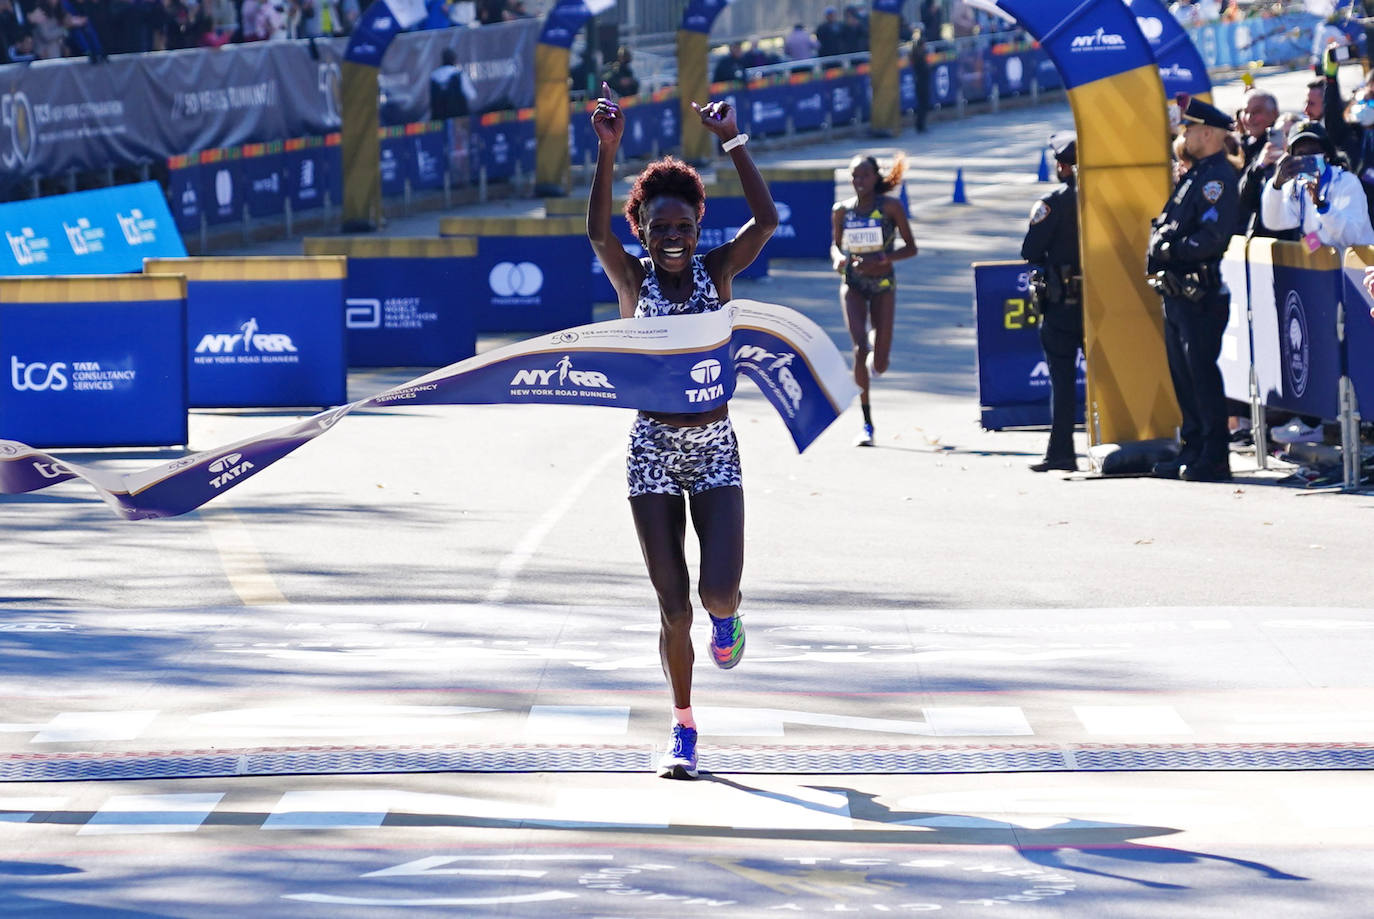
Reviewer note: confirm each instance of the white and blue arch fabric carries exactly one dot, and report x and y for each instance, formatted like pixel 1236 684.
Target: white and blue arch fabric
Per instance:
pixel 684 363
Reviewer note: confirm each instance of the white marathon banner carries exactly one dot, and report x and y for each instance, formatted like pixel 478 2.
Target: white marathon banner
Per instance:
pixel 668 364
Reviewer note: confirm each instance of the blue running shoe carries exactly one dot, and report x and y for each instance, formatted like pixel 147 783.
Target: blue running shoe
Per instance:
pixel 680 760
pixel 727 641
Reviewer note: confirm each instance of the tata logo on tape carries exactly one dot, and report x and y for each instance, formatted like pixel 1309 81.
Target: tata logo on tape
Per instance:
pixel 227 468
pixel 707 371
pixel 511 279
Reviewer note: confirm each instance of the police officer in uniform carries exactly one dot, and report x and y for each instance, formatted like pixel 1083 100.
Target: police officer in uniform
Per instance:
pixel 1185 268
pixel 1051 246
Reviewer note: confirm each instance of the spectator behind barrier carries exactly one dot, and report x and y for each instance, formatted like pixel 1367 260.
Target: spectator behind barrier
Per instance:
pixel 830 35
pixel 932 17
pixel 730 68
pixel 799 44
pixel 1311 193
pixel 1262 143
pixel 451 93
pixel 855 30
pixel 619 76
pixel 920 71
pixel 1351 127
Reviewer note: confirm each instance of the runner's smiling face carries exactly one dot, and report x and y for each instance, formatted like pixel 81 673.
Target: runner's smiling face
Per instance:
pixel 863 177
pixel 670 230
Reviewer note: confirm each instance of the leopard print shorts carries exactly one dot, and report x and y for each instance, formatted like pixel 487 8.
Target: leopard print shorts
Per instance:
pixel 667 460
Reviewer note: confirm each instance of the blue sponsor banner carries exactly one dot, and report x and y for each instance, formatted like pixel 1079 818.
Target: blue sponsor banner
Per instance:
pixel 428 159
pixel 1012 73
pixel 224 191
pixel 186 196
pixel 94 374
pixel 1304 310
pixel 845 105
pixel 105 231
pixel 739 101
pixel 393 165
pixel 1046 73
pixel 525 282
pixel 810 107
pixel 311 174
pixel 266 343
pixel 1089 41
pixel 650 128
pixel 944 83
pixel 1181 68
pixel 403 312
pixel 1272 40
pixel 582 143
pixel 906 88
pixel 264 181
pixel 1013 379
pixel 769 108
pixel 804 228
pixel 1359 339
pixel 503 144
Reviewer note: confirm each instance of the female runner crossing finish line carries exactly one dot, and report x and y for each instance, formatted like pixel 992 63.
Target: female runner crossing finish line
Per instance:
pixel 674 457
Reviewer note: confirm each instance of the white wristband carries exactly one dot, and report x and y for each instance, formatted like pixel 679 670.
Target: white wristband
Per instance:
pixel 739 140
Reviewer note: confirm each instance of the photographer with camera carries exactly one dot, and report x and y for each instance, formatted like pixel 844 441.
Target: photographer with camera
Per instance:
pixel 1186 246
pixel 1311 193
pixel 1350 125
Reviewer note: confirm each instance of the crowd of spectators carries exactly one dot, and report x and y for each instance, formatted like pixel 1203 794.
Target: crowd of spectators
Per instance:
pixel 42 29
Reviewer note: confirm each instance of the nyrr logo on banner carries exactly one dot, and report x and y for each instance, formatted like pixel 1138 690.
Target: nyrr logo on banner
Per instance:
pixel 541 382
pixel 258 347
pixel 1101 40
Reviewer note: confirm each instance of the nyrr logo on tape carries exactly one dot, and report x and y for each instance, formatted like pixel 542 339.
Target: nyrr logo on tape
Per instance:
pixel 228 468
pixel 557 380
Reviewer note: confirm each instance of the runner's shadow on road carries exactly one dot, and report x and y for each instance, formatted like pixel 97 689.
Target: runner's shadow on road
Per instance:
pixel 1047 846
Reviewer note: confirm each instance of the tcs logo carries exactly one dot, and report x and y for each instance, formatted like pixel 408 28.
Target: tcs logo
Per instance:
pixel 37 376
pixel 508 279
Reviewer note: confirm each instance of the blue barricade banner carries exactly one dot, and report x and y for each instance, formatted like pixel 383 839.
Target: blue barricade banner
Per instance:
pixel 1296 341
pixel 668 364
pixel 312 172
pixel 804 229
pixel 809 105
pixel 1235 359
pixel 262 332
pixel 185 194
pixel 845 107
pixel 500 144
pixel 650 128
pixel 399 302
pixel 523 282
pixel 1013 379
pixel 105 231
pixel 92 362
pixel 264 181
pixel 393 166
pixel 769 109
pixel 1359 325
pixel 223 191
pixel 1281 39
pixel 944 82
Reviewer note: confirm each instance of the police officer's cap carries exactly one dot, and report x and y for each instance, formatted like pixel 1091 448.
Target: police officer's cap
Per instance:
pixel 1199 112
pixel 1065 147
pixel 1310 130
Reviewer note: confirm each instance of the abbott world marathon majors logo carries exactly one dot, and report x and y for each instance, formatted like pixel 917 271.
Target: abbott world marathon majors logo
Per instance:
pixel 60 376
pixel 1297 361
pixel 246 346
pixel 772 371
pixel 562 379
pixel 516 283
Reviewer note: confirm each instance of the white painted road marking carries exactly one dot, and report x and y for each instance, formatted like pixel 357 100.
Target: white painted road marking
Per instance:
pixel 1131 720
pixel 125 814
pixel 578 720
pixel 77 727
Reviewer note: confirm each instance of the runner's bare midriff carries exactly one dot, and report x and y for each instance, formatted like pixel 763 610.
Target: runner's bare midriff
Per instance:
pixel 689 419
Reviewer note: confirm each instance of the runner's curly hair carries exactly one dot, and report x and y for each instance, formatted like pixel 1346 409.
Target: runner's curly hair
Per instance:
pixel 893 178
pixel 668 176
